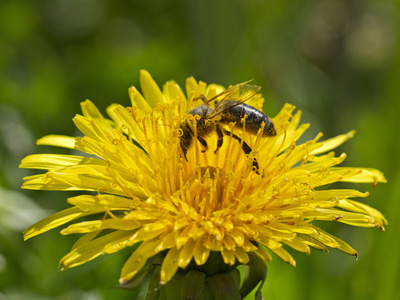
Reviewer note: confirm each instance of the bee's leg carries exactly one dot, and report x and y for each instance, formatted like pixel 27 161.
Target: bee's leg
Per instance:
pixel 202 97
pixel 246 149
pixel 185 139
pixel 220 140
pixel 184 153
pixel 203 143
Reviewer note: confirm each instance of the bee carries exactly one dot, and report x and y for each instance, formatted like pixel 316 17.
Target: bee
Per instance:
pixel 229 107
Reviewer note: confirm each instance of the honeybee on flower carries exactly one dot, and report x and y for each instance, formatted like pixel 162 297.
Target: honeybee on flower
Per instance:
pixel 229 108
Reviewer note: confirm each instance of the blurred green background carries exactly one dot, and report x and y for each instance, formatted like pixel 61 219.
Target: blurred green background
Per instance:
pixel 336 60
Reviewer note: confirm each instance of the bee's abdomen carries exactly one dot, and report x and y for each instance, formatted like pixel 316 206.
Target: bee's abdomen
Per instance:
pixel 254 120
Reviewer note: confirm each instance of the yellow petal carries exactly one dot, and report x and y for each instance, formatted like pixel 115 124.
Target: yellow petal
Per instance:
pixel 193 91
pixel 191 86
pixel 241 255
pixel 237 236
pixel 57 161
pixel 131 267
pixel 228 256
pixel 333 241
pixel 298 245
pixel 362 208
pixel 90 111
pixel 56 220
pixel 263 253
pixel 110 202
pixel 92 249
pixel 90 128
pixel 83 227
pixel 139 258
pixel 229 243
pixel 57 140
pixel 186 254
pixel 312 242
pixel 169 265
pixel 284 255
pixel 135 128
pixel 96 225
pixel 334 142
pixel 150 89
pixel 201 253
pixel 324 195
pixel 75 179
pixel 85 239
pixel 138 101
pixel 183 238
pixel 167 241
pixel 213 90
pixel 173 92
pixel 366 175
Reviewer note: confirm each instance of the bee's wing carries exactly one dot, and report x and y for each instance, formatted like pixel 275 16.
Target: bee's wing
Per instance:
pixel 240 92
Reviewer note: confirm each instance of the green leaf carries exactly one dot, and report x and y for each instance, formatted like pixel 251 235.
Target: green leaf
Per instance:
pixel 254 273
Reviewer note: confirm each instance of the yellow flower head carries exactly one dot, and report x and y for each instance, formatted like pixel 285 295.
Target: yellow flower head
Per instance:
pixel 156 197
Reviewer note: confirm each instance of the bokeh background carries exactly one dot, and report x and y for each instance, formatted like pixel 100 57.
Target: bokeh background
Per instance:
pixel 336 60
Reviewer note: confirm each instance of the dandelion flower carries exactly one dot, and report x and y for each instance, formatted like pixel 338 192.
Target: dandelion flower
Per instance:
pixel 187 214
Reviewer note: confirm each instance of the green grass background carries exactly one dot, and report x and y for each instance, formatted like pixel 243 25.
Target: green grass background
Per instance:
pixel 336 60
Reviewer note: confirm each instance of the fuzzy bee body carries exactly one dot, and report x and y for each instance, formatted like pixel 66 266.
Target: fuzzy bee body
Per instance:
pixel 203 129
pixel 226 111
pixel 234 111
